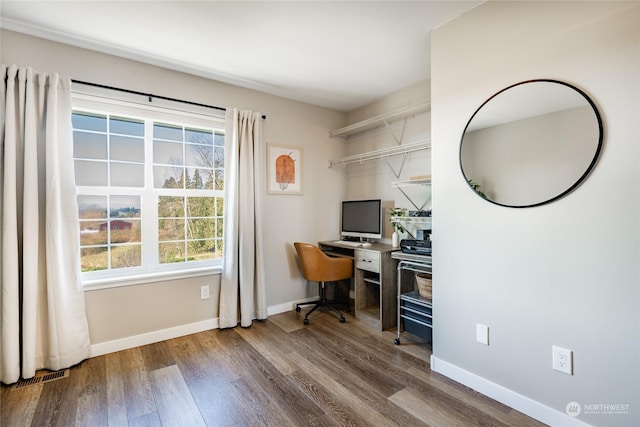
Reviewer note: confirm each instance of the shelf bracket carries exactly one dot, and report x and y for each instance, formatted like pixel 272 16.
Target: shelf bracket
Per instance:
pixel 404 125
pixel 412 202
pixel 397 174
pixel 424 181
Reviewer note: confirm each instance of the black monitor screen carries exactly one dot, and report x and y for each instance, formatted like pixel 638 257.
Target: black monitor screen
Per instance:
pixel 362 218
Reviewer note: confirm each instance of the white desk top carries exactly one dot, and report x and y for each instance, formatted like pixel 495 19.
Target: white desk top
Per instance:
pixel 377 247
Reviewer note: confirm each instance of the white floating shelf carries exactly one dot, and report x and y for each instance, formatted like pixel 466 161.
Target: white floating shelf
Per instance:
pixel 380 120
pixel 421 181
pixel 411 219
pixel 381 154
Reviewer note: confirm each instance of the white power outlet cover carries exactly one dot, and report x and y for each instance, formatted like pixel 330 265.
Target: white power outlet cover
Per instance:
pixel 204 292
pixel 482 334
pixel 563 360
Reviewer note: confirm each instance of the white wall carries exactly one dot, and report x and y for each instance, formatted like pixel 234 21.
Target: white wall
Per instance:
pixel 116 315
pixel 562 274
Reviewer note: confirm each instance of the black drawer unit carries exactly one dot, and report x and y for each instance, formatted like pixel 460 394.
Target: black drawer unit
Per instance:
pixel 416 314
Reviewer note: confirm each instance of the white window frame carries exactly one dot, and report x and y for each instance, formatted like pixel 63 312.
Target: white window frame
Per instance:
pixel 95 101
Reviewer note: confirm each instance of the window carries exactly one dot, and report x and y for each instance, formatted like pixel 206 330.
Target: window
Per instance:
pixel 150 192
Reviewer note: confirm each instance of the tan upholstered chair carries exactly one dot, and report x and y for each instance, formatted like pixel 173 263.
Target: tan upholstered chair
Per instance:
pixel 319 267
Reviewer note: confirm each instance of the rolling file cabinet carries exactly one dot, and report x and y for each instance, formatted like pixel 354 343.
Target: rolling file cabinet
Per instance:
pixel 415 313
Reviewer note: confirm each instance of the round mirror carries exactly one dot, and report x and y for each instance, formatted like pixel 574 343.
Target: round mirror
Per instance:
pixel 531 143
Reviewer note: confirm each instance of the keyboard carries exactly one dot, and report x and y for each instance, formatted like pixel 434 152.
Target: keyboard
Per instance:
pixel 347 243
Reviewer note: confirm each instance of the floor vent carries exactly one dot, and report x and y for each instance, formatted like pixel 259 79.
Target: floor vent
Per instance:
pixel 41 379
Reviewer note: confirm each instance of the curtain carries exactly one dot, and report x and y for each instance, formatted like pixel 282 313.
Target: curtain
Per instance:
pixel 42 315
pixel 242 286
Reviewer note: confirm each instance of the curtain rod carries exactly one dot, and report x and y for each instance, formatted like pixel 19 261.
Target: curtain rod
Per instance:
pixel 150 96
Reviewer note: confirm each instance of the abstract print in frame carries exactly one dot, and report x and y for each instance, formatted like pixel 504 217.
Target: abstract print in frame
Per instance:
pixel 284 169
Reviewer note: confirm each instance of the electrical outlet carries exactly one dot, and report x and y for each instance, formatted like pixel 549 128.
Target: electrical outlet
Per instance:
pixel 204 292
pixel 562 360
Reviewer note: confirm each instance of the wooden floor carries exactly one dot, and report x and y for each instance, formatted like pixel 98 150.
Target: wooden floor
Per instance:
pixel 277 372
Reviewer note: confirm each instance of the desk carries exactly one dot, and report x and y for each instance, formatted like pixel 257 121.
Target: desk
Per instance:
pixel 374 282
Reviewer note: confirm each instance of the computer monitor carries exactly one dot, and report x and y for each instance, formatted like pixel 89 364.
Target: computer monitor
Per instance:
pixel 362 218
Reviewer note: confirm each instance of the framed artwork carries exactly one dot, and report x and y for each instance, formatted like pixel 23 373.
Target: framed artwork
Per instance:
pixel 284 169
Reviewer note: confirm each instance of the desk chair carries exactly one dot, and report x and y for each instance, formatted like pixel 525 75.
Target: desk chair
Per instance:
pixel 319 267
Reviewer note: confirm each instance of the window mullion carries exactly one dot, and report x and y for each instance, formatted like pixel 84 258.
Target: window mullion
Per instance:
pixel 149 201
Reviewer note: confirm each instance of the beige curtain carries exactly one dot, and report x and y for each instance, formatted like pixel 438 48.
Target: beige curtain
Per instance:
pixel 42 316
pixel 242 287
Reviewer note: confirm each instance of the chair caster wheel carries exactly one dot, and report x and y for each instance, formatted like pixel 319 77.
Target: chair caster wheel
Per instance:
pixel 342 320
pixel 396 341
pixel 306 321
pixel 297 309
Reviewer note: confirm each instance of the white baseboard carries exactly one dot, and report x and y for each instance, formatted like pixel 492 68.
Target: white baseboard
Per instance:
pixel 120 344
pixel 152 337
pixel 287 306
pixel 503 395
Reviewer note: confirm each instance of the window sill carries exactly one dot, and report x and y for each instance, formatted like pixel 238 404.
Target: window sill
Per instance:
pixel 140 279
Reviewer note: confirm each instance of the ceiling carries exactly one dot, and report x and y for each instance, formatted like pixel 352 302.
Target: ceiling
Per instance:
pixel 336 54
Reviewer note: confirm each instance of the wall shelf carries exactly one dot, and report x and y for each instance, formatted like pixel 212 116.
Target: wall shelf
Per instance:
pixel 411 223
pixel 411 219
pixel 380 120
pixel 381 154
pixel 411 183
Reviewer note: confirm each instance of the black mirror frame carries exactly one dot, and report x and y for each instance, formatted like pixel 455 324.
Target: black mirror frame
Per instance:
pixel 570 188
